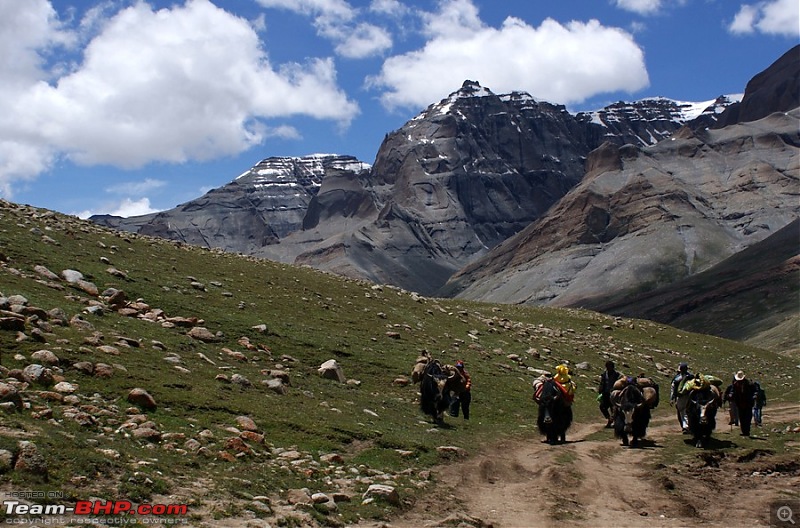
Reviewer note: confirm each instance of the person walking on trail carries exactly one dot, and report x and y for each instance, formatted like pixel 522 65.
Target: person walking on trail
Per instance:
pixel 680 378
pixel 463 399
pixel 759 401
pixel 607 380
pixel 733 414
pixel 743 395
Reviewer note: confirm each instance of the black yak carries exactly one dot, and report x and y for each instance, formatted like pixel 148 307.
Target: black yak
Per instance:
pixel 555 411
pixel 631 414
pixel 701 413
pixel 437 383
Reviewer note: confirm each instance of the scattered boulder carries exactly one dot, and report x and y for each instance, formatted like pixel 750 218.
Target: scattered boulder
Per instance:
pixel 299 497
pixel 45 356
pixel 9 394
pixel 46 273
pixel 275 385
pixel 6 461
pixel 103 370
pixel 246 423
pixel 332 370
pixel 238 379
pixel 30 460
pixel 142 398
pixel 147 433
pixel 88 287
pixel 86 367
pixel 38 374
pixel 13 324
pixel 381 491
pixel 202 334
pixel 65 387
pixel 71 276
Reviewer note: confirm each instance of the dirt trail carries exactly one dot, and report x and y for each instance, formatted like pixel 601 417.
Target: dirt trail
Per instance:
pixel 593 481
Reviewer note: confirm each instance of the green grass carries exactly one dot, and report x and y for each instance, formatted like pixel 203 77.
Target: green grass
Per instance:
pixel 310 317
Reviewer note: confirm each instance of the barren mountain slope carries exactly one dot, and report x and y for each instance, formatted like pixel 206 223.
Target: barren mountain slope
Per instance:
pixel 644 218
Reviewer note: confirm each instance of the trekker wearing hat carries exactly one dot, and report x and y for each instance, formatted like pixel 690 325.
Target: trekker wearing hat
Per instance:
pixel 680 378
pixel 743 393
pixel 733 412
pixel 463 399
pixel 607 380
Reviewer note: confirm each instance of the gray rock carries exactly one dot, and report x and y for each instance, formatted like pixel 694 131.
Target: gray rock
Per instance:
pixel 142 398
pixel 332 370
pixel 45 356
pixel 35 373
pixel 30 460
pixel 9 394
pixel 6 460
pixel 380 491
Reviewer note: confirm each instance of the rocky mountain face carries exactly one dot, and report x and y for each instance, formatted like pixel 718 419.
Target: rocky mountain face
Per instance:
pixel 258 208
pixel 452 183
pixel 645 218
pixel 773 90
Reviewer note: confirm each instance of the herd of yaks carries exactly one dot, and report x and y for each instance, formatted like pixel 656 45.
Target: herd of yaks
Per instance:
pixel 632 401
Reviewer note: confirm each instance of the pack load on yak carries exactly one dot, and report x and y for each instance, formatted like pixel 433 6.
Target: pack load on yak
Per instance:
pixel 700 400
pixel 554 396
pixel 648 387
pixel 440 385
pixel 700 382
pixel 563 381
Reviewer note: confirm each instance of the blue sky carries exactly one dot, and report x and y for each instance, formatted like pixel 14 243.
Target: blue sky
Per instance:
pixel 128 107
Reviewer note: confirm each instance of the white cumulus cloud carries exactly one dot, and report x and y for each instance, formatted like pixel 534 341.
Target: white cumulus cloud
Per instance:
pixel 136 188
pixel 191 82
pixel 775 17
pixel 642 7
pixel 556 62
pixel 125 208
pixel 336 21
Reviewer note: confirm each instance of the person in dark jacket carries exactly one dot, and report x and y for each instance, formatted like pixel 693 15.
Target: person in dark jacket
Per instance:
pixel 759 401
pixel 733 413
pixel 465 397
pixel 743 394
pixel 607 380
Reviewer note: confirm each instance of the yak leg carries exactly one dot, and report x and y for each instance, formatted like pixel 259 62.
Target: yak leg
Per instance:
pixel 552 436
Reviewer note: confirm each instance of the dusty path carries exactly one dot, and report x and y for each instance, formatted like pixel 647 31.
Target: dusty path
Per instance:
pixel 593 481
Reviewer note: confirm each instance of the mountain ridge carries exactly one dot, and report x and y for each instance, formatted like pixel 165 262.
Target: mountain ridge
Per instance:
pixel 262 224
pixel 450 188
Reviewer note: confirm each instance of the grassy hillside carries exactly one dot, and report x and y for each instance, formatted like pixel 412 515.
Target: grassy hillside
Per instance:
pixel 273 321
